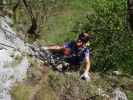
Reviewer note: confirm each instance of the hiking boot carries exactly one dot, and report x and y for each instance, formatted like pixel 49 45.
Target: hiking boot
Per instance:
pixel 86 76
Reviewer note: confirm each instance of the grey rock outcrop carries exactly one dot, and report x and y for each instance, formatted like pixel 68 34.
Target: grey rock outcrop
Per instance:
pixel 8 38
pixel 118 95
pixel 11 47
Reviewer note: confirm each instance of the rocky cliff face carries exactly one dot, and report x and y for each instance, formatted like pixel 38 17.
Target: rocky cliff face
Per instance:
pixel 13 62
pixel 8 38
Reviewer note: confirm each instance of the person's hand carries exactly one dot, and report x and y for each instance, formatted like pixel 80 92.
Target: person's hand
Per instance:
pixel 44 48
pixel 86 76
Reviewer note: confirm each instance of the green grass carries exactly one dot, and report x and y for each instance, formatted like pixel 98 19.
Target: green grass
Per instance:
pixel 130 95
pixel 21 92
pixel 56 86
pixel 57 27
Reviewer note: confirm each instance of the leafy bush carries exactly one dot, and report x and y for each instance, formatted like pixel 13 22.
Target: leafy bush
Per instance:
pixel 113 44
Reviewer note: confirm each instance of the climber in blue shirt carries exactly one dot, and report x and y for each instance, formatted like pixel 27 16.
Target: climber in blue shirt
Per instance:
pixel 77 53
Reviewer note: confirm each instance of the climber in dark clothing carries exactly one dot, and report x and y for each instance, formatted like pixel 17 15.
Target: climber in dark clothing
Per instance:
pixel 77 53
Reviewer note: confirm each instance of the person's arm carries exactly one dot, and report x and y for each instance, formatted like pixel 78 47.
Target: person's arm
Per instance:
pixel 59 48
pixel 53 47
pixel 87 64
pixel 86 75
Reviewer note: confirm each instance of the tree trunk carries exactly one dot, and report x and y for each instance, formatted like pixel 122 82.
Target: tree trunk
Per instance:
pixel 130 12
pixel 1 5
pixel 33 27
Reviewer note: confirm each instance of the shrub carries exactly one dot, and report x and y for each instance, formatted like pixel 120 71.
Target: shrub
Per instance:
pixel 113 44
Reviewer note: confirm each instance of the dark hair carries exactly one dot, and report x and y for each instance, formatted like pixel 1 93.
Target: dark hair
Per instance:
pixel 86 37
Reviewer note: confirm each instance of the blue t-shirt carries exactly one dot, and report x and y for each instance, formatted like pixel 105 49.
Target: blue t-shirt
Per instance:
pixel 77 54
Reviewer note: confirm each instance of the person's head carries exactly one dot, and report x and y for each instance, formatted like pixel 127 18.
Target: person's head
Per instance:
pixel 83 38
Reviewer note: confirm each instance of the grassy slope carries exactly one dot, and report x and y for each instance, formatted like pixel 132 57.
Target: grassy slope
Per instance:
pixel 56 86
pixel 61 24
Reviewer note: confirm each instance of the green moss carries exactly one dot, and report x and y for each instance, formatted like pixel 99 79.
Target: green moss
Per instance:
pixel 18 59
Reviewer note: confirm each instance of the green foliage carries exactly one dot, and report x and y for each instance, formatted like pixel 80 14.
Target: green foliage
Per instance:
pixel 113 44
pixel 63 20
pixel 130 95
